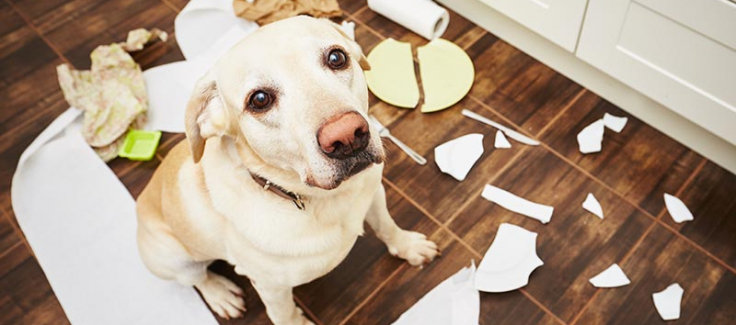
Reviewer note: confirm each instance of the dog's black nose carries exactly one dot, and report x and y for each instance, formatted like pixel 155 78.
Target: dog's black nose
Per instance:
pixel 344 135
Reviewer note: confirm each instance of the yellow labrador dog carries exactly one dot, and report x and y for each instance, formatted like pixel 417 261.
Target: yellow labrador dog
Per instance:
pixel 279 174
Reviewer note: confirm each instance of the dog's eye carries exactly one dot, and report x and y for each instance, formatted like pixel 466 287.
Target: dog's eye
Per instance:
pixel 260 100
pixel 337 59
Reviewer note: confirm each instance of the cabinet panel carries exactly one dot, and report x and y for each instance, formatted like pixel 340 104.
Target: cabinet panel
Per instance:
pixel 679 55
pixel 556 20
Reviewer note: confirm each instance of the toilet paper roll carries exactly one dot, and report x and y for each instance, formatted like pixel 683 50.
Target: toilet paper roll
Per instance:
pixel 423 17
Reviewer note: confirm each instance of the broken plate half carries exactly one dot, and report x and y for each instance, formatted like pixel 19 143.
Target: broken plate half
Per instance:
pixel 612 277
pixel 509 261
pixel 391 77
pixel 447 74
pixel 668 302
pixel 456 157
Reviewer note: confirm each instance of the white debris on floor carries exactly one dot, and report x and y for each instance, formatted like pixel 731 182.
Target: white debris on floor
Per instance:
pixel 509 261
pixel 541 212
pixel 590 139
pixel 611 277
pixel 668 302
pixel 677 209
pixel 456 157
pixel 592 205
pixel 501 142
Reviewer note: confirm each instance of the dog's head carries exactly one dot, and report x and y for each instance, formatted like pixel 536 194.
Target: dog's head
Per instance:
pixel 294 94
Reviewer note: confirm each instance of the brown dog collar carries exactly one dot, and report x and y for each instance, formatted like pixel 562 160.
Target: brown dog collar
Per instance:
pixel 280 191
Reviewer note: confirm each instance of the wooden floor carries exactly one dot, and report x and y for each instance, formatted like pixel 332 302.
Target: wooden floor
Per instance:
pixel 629 178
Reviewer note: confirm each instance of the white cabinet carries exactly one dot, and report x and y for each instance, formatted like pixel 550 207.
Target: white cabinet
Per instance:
pixel 556 20
pixel 681 53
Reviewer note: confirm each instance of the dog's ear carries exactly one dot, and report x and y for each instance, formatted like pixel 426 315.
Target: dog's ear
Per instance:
pixel 205 115
pixel 354 48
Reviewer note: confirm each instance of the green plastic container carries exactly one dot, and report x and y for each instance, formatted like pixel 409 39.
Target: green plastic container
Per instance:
pixel 140 145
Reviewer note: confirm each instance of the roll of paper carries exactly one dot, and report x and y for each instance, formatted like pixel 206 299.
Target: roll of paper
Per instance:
pixel 423 17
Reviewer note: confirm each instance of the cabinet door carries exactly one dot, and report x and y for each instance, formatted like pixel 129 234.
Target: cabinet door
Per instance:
pixel 557 20
pixel 681 53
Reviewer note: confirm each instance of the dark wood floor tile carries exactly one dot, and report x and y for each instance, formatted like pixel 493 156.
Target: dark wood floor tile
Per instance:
pixel 575 245
pixel 641 163
pixel 10 311
pixel 24 282
pixel 77 38
pixel 49 14
pixel 662 259
pixel 516 85
pixel 158 53
pixel 710 197
pixel 511 308
pixel 256 313
pixel 367 39
pixel 8 236
pixel 335 295
pixel 456 30
pixel 46 312
pixel 352 6
pixel 439 193
pixel 179 4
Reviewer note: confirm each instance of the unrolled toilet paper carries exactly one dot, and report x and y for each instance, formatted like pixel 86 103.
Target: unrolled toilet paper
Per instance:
pixel 423 17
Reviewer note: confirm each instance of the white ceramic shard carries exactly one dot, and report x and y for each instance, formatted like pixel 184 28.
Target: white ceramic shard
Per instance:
pixel 456 157
pixel 454 301
pixel 509 261
pixel 501 142
pixel 349 28
pixel 541 212
pixel 614 123
pixel 677 209
pixel 668 302
pixel 612 277
pixel 593 206
pixel 591 137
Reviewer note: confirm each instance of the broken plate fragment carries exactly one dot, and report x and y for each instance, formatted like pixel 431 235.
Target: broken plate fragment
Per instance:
pixel 593 206
pixel 456 157
pixel 391 77
pixel 447 74
pixel 614 123
pixel 677 209
pixel 541 212
pixel 501 142
pixel 591 137
pixel 668 302
pixel 453 302
pixel 509 261
pixel 612 277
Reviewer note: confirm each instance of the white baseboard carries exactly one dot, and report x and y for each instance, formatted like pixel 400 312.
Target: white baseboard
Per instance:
pixel 663 119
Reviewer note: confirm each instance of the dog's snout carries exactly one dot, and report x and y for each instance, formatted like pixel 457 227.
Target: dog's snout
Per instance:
pixel 344 136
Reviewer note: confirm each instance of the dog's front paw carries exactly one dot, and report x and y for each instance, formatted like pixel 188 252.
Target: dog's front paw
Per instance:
pixel 223 296
pixel 414 247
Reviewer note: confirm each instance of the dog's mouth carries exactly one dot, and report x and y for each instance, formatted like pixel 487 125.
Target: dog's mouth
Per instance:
pixel 346 168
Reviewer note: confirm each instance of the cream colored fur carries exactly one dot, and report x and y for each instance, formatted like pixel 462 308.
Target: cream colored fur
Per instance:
pixel 202 204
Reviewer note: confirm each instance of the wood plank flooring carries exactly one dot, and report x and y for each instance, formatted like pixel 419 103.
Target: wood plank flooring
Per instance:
pixel 629 178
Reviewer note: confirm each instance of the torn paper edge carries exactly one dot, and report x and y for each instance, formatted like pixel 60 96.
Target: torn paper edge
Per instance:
pixel 501 142
pixel 611 277
pixel 541 212
pixel 614 123
pixel 592 205
pixel 668 302
pixel 590 139
pixel 511 243
pixel 677 209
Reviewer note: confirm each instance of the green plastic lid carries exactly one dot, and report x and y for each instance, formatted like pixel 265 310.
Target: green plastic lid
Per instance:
pixel 140 145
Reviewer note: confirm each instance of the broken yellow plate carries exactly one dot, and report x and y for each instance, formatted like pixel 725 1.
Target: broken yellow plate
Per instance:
pixel 391 77
pixel 447 74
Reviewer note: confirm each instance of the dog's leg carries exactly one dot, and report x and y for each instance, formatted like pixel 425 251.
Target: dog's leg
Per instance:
pixel 280 306
pixel 412 246
pixel 167 258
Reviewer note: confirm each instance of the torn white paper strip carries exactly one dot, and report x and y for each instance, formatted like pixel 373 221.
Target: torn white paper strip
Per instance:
pixel 501 142
pixel 85 238
pixel 668 302
pixel 614 123
pixel 677 209
pixel 591 137
pixel 593 206
pixel 612 277
pixel 541 212
pixel 509 261
pixel 456 157
pixel 453 302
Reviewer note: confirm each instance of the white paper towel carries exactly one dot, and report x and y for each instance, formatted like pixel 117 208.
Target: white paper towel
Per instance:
pixel 423 17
